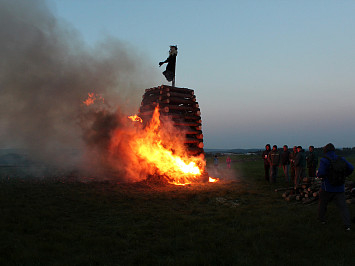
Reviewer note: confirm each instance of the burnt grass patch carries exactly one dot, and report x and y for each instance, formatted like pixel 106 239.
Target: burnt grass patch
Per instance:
pixel 240 220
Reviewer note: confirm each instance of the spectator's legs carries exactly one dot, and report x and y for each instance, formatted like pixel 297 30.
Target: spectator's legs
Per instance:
pixel 343 208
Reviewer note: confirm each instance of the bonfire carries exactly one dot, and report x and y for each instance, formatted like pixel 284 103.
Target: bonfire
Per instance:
pixel 157 145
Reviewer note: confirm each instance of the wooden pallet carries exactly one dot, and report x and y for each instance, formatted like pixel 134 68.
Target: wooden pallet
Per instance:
pixel 181 107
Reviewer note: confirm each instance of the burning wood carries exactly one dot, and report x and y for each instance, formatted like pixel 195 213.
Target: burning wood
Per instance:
pixel 180 105
pixel 187 124
pixel 136 118
pixel 165 140
pixel 176 111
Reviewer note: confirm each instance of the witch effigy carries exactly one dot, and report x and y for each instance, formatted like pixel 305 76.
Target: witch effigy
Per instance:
pixel 169 72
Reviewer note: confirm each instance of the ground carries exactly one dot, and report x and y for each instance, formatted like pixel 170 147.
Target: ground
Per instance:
pixel 240 220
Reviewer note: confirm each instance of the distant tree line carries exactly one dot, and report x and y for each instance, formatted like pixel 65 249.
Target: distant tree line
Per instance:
pixel 342 152
pixel 346 151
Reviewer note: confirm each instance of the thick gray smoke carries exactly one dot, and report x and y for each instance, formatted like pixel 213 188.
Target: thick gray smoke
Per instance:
pixel 46 72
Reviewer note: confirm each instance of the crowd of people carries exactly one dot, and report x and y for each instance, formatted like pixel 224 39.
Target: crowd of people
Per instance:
pixel 294 164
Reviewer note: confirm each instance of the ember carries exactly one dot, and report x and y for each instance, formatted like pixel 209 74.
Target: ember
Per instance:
pixel 92 97
pixel 212 180
pixel 136 118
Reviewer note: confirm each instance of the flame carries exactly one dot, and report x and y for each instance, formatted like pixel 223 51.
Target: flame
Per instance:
pixel 136 118
pixel 135 151
pixel 166 154
pixel 212 180
pixel 92 97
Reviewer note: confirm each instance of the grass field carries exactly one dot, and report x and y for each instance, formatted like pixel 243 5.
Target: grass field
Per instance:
pixel 238 221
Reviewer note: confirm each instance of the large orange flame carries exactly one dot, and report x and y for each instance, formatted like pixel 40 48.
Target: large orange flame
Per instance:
pixel 167 157
pixel 155 147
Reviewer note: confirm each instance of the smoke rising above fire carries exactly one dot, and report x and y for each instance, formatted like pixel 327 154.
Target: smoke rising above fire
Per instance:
pixel 47 72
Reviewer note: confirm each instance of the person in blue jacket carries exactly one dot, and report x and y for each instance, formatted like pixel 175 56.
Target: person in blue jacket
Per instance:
pixel 328 192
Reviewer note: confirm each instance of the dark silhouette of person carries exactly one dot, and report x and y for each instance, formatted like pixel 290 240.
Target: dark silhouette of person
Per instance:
pixel 169 72
pixel 265 156
pixel 312 162
pixel 329 192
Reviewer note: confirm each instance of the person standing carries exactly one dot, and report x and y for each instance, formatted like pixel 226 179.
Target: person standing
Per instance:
pixel 228 161
pixel 292 163
pixel 274 160
pixel 300 166
pixel 215 161
pixel 285 162
pixel 169 72
pixel 329 192
pixel 265 156
pixel 312 162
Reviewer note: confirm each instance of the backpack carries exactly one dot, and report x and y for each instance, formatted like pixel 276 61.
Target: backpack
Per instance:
pixel 337 171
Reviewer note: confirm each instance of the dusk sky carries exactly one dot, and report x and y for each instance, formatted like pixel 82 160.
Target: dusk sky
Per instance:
pixel 278 72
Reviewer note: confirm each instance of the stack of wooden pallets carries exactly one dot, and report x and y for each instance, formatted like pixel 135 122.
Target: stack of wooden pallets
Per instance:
pixel 181 107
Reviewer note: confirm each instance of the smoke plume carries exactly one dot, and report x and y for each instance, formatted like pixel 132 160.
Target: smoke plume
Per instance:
pixel 47 71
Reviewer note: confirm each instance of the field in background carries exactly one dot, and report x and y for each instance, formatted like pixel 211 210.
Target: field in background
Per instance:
pixel 238 221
